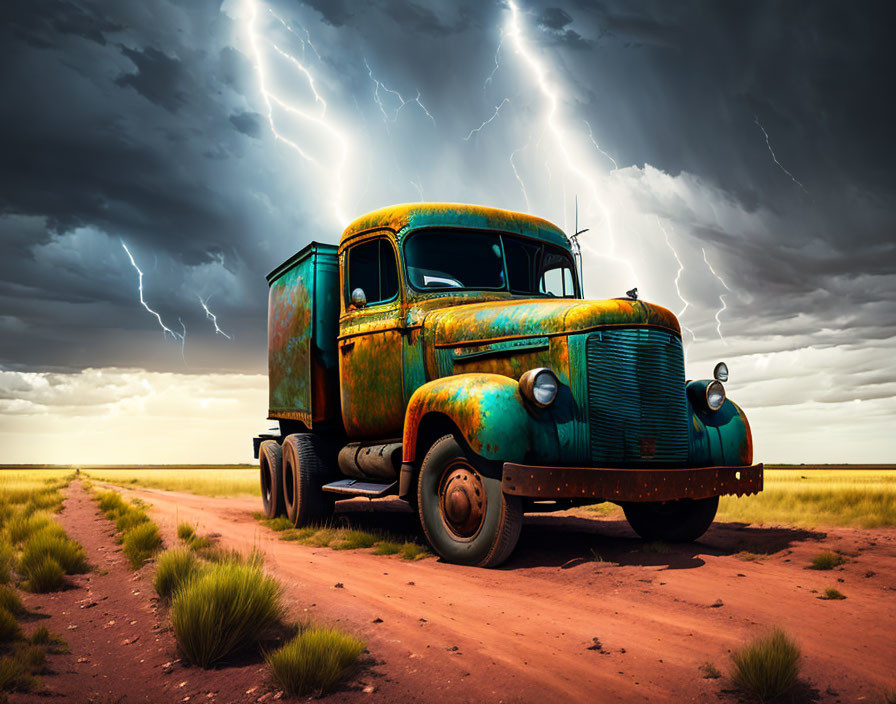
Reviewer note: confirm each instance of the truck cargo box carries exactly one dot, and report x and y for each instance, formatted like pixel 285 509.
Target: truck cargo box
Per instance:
pixel 303 318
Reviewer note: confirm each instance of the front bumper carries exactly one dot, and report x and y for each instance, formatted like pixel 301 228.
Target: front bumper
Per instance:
pixel 610 484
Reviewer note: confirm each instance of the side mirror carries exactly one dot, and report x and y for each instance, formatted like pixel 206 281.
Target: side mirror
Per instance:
pixel 359 298
pixel 720 373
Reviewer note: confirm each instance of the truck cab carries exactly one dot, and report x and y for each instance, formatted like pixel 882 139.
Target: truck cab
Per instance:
pixel 443 353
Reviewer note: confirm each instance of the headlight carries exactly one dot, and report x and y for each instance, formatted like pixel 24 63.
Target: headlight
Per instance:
pixel 715 395
pixel 539 386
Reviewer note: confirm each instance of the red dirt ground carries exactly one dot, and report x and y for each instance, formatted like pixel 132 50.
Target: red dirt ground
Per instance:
pixel 522 633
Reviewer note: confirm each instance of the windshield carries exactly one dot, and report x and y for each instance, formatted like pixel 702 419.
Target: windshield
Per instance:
pixel 441 259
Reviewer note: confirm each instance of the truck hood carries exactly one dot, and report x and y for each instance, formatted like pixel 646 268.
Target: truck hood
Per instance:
pixel 479 322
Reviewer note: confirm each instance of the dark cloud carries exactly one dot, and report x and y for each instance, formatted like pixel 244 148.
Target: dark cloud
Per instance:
pixel 554 18
pixel 334 12
pixel 159 78
pixel 248 123
pixel 42 23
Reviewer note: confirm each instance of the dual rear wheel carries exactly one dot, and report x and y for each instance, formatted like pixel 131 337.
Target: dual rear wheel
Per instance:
pixel 292 477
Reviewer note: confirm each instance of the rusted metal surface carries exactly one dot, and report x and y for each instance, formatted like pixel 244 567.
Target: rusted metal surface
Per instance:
pixel 462 500
pixel 630 484
pixel 302 309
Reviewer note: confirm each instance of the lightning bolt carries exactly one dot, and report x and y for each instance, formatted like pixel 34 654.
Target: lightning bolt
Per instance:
pixel 552 125
pixel 517 174
pixel 497 63
pixel 597 146
pixel 183 341
pixel 165 329
pixel 211 316
pixel 402 102
pixel 721 297
pixel 489 120
pixel 320 119
pixel 774 158
pixel 677 279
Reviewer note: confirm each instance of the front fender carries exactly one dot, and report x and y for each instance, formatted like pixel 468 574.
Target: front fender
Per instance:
pixel 721 438
pixel 487 409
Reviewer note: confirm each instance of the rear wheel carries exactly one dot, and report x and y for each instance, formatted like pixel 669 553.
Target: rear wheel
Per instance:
pixel 307 462
pixel 465 515
pixel 270 462
pixel 681 521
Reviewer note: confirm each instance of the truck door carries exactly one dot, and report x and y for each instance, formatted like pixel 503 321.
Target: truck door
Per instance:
pixel 370 343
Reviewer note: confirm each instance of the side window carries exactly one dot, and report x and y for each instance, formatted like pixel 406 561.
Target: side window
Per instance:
pixel 372 268
pixel 558 282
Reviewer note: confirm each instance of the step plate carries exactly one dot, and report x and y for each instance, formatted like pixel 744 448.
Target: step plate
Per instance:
pixel 354 487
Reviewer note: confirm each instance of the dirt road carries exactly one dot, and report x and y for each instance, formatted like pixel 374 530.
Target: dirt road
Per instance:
pixel 526 632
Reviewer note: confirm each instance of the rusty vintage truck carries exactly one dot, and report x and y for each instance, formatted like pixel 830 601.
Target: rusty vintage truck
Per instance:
pixel 443 353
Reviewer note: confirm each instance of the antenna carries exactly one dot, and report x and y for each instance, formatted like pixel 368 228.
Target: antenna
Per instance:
pixel 577 250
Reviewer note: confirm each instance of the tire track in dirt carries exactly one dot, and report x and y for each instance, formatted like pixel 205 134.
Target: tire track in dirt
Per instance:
pixel 455 634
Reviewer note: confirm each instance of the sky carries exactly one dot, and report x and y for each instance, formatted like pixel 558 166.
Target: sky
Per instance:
pixel 731 160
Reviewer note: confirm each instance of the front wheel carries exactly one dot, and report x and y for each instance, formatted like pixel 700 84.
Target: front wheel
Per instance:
pixel 681 521
pixel 466 517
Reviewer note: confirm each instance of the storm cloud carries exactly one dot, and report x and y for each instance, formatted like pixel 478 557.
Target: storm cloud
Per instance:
pixel 148 124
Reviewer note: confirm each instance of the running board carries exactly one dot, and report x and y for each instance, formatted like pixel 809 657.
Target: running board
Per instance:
pixel 354 487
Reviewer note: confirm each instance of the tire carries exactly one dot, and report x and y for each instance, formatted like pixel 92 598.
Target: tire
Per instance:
pixel 681 521
pixel 466 517
pixel 307 460
pixel 270 463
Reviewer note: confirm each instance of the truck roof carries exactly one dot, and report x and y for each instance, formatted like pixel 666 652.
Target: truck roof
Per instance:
pixel 411 216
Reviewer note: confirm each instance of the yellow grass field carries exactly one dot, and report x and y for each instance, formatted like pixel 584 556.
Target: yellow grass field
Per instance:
pixel 805 496
pixel 206 481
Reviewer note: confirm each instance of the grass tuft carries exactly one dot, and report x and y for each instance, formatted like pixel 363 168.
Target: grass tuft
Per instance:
pixel 356 540
pixel 10 601
pixel 827 560
pixel 9 627
pixel 14 676
pixel 315 660
pixel 186 532
pixel 50 543
pixel 413 551
pixel 140 543
pixel 768 666
pixel 280 523
pixel 45 576
pixel 832 594
pixel 225 608
pixel 130 518
pixel 22 526
pixel 387 547
pixel 173 569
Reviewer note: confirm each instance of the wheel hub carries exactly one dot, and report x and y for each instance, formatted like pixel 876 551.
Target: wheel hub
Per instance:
pixel 462 500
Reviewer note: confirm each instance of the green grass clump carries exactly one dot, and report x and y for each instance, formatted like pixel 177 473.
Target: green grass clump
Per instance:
pixel 54 544
pixel 767 667
pixel 355 540
pixel 111 503
pixel 140 543
pixel 748 556
pixel 7 555
pixel 52 643
pixel 315 660
pixel 173 568
pixel 21 526
pixel 225 608
pixel 280 523
pixel 130 518
pixel 10 601
pixel 827 560
pixel 297 534
pixel 413 551
pixel 831 593
pixel 200 542
pixel 14 675
pixel 45 576
pixel 387 547
pixel 186 532
pixel 9 627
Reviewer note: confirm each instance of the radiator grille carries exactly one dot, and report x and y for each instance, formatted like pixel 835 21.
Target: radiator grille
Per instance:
pixel 637 410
